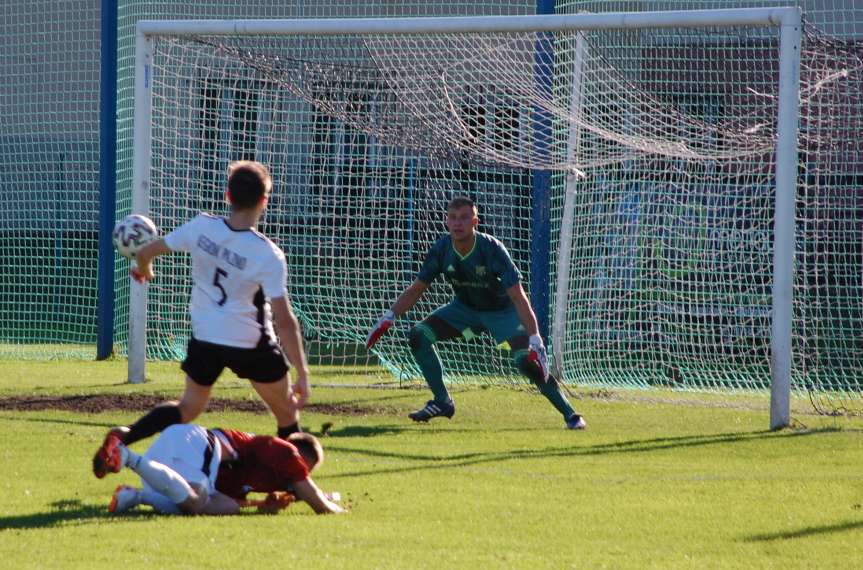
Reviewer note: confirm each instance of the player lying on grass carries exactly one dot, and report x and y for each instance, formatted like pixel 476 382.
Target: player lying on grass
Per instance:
pixel 192 470
pixel 265 464
pixel 488 297
pixel 239 287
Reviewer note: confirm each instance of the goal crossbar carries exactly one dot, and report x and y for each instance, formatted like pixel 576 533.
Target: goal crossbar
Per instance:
pixel 477 24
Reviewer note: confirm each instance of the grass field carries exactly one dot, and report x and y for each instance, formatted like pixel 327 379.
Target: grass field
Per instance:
pixel 657 481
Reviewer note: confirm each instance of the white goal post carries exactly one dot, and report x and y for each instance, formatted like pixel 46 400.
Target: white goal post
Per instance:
pixel 786 20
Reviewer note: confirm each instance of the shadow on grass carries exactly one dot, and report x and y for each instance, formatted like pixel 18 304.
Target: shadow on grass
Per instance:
pixel 632 446
pixel 806 531
pixel 19 418
pixel 75 512
pixel 365 431
pixel 61 512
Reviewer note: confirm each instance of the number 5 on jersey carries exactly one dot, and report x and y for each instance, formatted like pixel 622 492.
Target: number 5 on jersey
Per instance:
pixel 220 273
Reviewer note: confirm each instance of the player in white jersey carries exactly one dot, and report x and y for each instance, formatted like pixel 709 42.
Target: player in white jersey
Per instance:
pixel 178 473
pixel 239 289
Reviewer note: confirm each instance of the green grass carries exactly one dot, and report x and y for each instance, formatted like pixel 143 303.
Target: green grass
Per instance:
pixel 658 481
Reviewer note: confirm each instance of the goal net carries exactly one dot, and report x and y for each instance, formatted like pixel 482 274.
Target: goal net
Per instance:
pixel 660 136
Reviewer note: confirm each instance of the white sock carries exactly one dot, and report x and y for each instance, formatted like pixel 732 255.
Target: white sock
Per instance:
pixel 126 455
pixel 159 502
pixel 160 477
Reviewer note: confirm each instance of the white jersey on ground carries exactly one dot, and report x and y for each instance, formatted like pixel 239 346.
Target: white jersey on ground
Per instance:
pixel 190 451
pixel 234 275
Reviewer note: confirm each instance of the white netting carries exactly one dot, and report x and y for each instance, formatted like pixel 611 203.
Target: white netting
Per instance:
pixel 672 132
pixel 368 136
pixel 428 90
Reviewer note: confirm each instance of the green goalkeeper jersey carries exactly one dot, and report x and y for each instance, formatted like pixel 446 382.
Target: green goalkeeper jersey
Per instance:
pixel 480 278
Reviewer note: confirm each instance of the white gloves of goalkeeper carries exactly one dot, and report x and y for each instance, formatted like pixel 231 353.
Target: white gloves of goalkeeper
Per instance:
pixel 384 323
pixel 537 353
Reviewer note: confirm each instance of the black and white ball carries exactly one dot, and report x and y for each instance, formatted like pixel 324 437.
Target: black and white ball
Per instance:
pixel 132 233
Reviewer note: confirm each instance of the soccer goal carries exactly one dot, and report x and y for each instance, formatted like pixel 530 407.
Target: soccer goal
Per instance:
pixel 650 159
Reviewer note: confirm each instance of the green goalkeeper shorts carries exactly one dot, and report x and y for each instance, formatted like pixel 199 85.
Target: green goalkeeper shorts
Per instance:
pixel 502 325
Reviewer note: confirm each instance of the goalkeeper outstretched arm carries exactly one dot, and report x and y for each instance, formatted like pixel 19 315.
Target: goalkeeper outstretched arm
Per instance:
pixel 403 304
pixel 522 307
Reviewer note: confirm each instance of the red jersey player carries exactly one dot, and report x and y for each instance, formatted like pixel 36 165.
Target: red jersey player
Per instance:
pixel 179 468
pixel 266 464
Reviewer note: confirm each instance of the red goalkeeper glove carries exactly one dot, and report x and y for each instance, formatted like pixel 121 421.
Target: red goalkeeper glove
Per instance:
pixel 384 323
pixel 537 353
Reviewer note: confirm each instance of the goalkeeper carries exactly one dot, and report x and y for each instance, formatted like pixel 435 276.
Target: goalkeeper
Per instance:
pixel 488 297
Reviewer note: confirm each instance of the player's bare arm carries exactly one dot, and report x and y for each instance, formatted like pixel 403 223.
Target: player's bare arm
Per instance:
pixel 536 346
pixel 403 304
pixel 288 328
pixel 272 503
pixel 409 297
pixel 142 270
pixel 522 307
pixel 310 493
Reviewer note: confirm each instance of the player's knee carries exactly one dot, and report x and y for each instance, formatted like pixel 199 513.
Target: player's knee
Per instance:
pixel 189 411
pixel 284 408
pixel 531 369
pixel 195 503
pixel 418 339
pixel 192 405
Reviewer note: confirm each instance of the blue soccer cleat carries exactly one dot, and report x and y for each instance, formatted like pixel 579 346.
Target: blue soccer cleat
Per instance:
pixel 575 421
pixel 433 409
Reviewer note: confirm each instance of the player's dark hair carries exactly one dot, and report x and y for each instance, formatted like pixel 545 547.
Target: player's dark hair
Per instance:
pixel 461 202
pixel 309 447
pixel 248 183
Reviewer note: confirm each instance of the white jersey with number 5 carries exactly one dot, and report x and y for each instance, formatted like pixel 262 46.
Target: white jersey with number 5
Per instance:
pixel 234 275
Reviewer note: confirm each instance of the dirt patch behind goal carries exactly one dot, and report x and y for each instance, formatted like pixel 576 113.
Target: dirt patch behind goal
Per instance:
pixel 97 403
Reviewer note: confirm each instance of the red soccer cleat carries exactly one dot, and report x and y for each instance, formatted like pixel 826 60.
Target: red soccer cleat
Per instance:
pixel 101 460
pixel 113 456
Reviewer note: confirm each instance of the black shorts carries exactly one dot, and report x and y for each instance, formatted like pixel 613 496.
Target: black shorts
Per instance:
pixel 205 361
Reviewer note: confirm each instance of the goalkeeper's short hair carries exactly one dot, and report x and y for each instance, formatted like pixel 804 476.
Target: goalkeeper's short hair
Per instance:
pixel 461 202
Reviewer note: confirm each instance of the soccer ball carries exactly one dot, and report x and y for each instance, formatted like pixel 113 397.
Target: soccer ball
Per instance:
pixel 132 233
